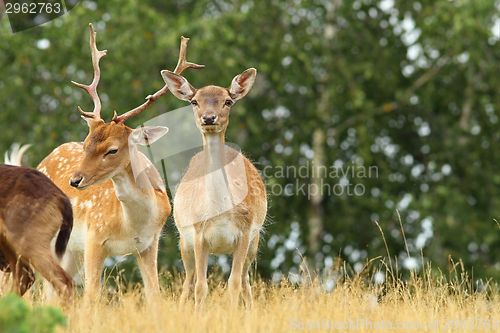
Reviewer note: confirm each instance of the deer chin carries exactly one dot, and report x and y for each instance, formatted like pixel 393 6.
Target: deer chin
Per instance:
pixel 211 128
pixel 89 183
pixel 81 188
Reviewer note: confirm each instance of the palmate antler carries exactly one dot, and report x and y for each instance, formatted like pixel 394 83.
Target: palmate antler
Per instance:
pixel 182 65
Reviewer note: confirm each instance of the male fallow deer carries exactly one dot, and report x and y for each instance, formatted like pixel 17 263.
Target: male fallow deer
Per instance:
pixel 118 212
pixel 221 203
pixel 33 211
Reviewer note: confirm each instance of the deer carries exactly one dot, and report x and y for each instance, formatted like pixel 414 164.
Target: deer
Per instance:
pixel 116 211
pixel 33 211
pixel 220 204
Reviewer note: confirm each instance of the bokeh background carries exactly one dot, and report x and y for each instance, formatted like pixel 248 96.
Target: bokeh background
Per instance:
pixel 407 88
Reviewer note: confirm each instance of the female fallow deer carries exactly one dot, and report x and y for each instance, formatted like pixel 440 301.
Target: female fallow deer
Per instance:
pixel 119 212
pixel 221 202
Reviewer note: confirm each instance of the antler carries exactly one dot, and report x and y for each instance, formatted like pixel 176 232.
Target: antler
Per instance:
pixel 182 65
pixel 92 88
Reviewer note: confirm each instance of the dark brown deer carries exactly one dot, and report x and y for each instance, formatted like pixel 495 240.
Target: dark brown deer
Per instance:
pixel 33 210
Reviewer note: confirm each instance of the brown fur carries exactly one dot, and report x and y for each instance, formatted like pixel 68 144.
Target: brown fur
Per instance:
pixel 32 212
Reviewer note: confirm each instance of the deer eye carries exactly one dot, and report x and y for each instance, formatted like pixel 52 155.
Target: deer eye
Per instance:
pixel 194 103
pixel 228 102
pixel 111 152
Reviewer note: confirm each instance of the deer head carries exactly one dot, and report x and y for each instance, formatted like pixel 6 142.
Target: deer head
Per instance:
pixel 211 104
pixel 107 147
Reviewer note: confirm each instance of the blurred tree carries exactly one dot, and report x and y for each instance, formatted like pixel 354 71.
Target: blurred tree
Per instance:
pixel 359 108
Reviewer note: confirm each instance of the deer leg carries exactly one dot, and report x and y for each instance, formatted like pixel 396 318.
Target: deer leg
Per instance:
pixel 148 264
pixel 22 274
pixel 72 263
pixel 5 273
pixel 49 268
pixel 94 259
pixel 246 289
pixel 190 267
pixel 201 259
pixel 44 263
pixel 24 277
pixel 5 279
pixel 239 257
pixel 3 259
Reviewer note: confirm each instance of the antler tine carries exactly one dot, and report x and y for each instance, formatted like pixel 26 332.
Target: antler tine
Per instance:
pixel 182 65
pixel 92 88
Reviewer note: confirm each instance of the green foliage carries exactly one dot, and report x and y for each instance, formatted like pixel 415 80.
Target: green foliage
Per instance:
pixel 16 316
pixel 410 87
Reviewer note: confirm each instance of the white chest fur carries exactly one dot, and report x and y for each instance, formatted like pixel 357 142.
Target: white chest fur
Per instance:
pixel 128 241
pixel 137 244
pixel 220 234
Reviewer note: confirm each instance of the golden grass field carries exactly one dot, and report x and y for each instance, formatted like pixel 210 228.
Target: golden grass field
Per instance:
pixel 432 300
pixel 426 303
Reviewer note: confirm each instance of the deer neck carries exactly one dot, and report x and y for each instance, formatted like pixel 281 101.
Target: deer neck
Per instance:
pixel 136 201
pixel 215 155
pixel 216 178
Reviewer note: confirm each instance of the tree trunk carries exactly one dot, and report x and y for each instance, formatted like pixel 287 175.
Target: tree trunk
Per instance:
pixel 316 193
pixel 318 145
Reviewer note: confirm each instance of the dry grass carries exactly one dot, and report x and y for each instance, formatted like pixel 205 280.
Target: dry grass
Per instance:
pixel 355 301
pixel 430 301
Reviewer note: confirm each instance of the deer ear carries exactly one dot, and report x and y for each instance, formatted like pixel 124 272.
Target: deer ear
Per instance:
pixel 241 84
pixel 178 85
pixel 147 135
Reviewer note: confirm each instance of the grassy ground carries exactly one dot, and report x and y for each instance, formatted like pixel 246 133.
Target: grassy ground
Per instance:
pixel 417 304
pixel 429 301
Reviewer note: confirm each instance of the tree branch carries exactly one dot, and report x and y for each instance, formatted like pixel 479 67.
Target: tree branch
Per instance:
pixel 415 86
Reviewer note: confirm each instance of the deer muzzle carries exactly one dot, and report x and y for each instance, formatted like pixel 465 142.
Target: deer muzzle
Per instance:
pixel 75 182
pixel 209 120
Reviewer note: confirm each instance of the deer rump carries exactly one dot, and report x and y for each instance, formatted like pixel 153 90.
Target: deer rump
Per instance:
pixel 32 211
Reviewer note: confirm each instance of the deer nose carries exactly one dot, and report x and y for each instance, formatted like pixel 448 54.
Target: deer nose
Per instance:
pixel 75 182
pixel 210 120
